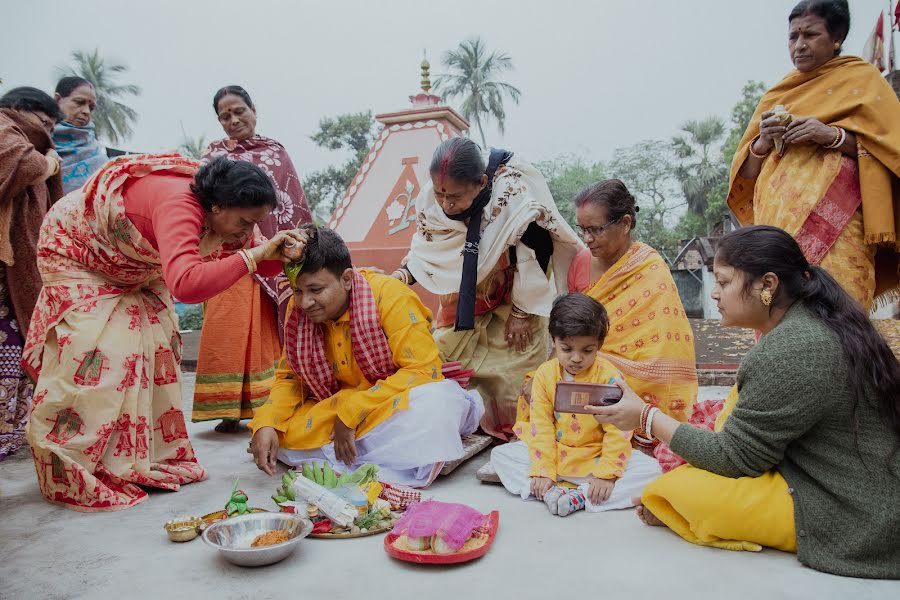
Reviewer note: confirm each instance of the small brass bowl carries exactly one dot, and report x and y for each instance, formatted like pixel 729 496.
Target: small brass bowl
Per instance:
pixel 184 530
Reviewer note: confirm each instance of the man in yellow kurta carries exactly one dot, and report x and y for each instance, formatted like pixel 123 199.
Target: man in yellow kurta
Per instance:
pixel 557 448
pixel 360 378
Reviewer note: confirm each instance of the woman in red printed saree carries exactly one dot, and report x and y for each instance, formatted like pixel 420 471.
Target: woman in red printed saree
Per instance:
pixel 103 345
pixel 243 326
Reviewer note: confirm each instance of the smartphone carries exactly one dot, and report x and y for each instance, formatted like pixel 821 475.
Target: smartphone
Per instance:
pixel 575 397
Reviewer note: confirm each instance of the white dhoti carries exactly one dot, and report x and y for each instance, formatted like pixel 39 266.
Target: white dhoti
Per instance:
pixel 512 464
pixel 411 447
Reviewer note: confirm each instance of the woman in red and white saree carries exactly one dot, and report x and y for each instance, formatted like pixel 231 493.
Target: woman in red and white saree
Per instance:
pixel 103 345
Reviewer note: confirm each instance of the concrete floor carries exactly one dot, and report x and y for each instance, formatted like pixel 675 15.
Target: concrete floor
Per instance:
pixel 52 553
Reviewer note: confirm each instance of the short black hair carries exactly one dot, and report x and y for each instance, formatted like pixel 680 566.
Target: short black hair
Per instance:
pixel 228 183
pixel 835 13
pixel 458 158
pixel 326 250
pixel 67 85
pixel 235 90
pixel 575 315
pixel 31 99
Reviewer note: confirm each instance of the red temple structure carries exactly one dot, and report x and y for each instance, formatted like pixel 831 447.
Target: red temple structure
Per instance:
pixel 376 215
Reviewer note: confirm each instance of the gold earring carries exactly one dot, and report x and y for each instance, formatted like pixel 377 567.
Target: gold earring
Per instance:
pixel 766 297
pixel 837 46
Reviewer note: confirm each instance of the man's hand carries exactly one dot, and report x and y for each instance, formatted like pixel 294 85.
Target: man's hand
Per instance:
pixel 344 443
pixel 264 447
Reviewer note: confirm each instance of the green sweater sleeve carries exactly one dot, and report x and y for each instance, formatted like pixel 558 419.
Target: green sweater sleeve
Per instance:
pixel 785 386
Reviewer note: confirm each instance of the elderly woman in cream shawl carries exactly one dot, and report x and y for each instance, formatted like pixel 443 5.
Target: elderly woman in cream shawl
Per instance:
pixel 490 242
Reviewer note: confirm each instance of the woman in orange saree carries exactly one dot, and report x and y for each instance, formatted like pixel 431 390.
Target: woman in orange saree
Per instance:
pixel 243 326
pixel 650 339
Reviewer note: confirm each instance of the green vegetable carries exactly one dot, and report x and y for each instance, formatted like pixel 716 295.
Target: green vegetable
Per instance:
pixel 368 521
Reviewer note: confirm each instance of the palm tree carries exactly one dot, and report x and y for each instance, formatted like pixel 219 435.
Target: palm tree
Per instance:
pixel 700 171
pixel 193 147
pixel 474 75
pixel 112 118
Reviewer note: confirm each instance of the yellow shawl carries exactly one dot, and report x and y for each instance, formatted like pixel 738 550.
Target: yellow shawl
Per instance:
pixel 650 339
pixel 850 93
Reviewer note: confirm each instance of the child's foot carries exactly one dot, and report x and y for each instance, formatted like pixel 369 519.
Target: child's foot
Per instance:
pixel 571 501
pixel 644 514
pixel 551 498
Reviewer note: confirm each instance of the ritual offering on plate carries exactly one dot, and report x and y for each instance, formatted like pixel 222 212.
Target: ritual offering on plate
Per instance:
pixel 236 505
pixel 339 505
pixel 237 502
pixel 434 532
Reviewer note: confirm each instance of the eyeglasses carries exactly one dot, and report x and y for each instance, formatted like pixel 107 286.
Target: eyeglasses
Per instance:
pixel 595 231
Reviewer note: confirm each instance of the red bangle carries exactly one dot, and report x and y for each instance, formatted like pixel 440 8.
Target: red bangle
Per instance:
pixel 644 412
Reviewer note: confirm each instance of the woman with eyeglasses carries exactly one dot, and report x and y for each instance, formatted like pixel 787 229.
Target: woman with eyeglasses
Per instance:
pixel 650 340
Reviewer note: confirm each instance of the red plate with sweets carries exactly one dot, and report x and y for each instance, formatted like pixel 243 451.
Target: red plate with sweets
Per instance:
pixel 475 547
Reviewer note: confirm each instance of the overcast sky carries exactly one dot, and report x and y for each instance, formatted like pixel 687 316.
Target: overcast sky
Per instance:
pixel 594 75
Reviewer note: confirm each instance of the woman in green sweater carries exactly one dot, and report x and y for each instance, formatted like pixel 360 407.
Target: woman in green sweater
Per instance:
pixel 808 458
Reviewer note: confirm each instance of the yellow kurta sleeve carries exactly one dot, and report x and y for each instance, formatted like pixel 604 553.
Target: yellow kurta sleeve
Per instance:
pixel 615 453
pixel 286 396
pixel 542 445
pixel 407 324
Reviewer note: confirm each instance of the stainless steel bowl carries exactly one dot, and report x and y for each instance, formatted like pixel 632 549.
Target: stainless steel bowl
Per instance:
pixel 232 537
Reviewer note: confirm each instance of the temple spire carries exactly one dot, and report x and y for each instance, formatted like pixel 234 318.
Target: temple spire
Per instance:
pixel 426 79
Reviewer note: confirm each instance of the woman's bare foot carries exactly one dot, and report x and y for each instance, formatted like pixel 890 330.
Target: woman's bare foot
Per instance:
pixel 227 426
pixel 644 514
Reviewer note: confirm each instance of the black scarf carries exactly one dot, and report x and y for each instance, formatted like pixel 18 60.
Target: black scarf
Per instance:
pixel 465 306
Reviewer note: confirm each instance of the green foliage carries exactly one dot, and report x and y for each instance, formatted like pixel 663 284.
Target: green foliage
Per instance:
pixel 474 77
pixel 112 118
pixel 648 171
pixel 700 167
pixel 741 114
pixel 192 147
pixel 566 176
pixel 349 133
pixel 192 320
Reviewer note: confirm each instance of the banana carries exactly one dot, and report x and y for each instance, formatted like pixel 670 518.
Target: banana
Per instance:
pixel 308 471
pixel 317 471
pixel 328 476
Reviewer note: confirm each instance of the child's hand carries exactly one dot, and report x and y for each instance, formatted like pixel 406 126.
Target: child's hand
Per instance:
pixel 540 486
pixel 599 490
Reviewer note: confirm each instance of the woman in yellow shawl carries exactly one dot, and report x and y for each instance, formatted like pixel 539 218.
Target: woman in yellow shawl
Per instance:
pixel 650 339
pixel 825 169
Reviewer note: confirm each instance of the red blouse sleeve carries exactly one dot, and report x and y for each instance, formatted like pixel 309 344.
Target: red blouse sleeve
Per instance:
pixel 177 223
pixel 579 271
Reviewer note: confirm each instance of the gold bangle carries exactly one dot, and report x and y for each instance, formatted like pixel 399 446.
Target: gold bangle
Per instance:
pixel 518 313
pixel 839 138
pixel 55 168
pixel 754 153
pixel 248 260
